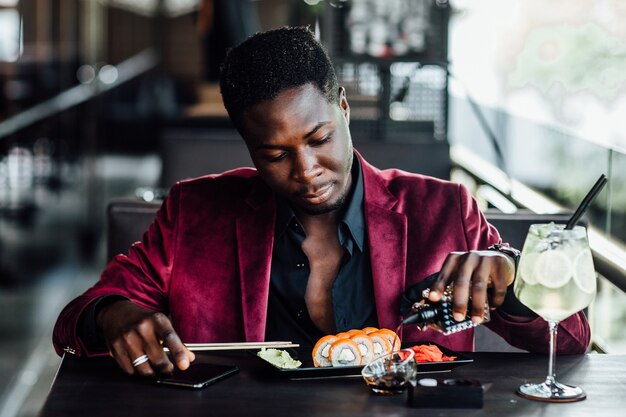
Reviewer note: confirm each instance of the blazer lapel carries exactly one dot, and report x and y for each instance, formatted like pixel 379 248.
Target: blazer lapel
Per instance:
pixel 255 240
pixel 387 233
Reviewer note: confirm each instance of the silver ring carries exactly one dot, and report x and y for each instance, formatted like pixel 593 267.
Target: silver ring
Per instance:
pixel 140 360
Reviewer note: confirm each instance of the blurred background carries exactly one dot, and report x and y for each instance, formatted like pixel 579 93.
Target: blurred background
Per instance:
pixel 521 100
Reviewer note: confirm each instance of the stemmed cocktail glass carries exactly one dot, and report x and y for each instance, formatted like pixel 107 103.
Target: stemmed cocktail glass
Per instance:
pixel 555 279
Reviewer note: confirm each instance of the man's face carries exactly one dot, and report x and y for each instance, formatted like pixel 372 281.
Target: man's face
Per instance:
pixel 301 146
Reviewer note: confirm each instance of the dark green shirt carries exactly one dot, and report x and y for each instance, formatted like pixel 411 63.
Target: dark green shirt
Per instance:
pixel 352 291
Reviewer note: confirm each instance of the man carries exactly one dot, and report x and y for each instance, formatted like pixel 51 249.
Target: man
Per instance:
pixel 314 241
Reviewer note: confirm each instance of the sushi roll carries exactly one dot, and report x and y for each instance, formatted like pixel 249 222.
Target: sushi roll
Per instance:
pixel 381 344
pixel 369 330
pixel 345 352
pixel 355 331
pixel 391 336
pixel 343 335
pixel 366 347
pixel 321 351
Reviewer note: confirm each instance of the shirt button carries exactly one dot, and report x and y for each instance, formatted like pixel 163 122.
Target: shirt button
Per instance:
pixel 300 313
pixel 299 266
pixel 296 225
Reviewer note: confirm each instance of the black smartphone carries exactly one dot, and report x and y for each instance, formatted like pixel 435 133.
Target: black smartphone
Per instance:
pixel 198 375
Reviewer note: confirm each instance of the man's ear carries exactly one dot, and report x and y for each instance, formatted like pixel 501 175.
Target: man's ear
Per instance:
pixel 343 103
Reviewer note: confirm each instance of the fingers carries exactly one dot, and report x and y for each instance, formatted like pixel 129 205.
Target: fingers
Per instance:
pixel 129 352
pixel 139 349
pixel 472 274
pixel 480 283
pixel 462 283
pixel 120 353
pixel 447 271
pixel 504 277
pixel 159 361
pixel 181 355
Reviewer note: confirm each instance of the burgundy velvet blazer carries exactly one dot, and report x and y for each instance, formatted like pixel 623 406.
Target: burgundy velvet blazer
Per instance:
pixel 206 259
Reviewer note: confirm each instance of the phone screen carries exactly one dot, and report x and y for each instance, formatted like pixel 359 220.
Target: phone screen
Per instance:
pixel 198 375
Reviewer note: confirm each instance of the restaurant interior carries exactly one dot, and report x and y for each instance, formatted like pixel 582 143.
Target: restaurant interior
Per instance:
pixel 106 102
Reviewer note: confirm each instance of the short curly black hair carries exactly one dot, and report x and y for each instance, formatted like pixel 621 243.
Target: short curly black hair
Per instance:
pixel 267 63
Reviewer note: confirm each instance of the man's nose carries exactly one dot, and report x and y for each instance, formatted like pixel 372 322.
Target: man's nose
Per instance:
pixel 306 167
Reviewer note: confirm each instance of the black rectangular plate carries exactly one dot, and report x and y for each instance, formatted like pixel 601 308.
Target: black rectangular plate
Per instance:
pixel 307 370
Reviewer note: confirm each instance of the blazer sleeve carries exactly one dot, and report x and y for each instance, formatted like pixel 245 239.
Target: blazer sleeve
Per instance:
pixel 530 334
pixel 479 234
pixel 142 276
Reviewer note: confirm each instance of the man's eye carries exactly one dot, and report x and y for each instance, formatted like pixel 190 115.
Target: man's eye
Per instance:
pixel 322 141
pixel 278 157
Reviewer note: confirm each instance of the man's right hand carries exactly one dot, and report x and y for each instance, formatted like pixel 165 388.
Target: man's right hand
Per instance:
pixel 131 331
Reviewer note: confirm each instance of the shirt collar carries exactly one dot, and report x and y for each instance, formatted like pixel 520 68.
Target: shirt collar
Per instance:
pixel 284 216
pixel 352 223
pixel 354 217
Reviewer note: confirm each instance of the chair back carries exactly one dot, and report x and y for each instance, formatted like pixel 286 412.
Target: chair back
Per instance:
pixel 189 153
pixel 127 220
pixel 514 227
pixel 421 157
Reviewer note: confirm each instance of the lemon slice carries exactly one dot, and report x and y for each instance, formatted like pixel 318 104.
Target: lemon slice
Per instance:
pixel 584 274
pixel 527 268
pixel 553 269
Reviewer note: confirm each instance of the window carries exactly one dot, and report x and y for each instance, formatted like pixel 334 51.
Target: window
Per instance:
pixel 11 45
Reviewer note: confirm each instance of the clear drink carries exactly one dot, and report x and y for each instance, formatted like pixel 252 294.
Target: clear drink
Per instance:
pixel 555 278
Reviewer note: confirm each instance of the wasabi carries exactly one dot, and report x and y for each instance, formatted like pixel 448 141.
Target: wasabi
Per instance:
pixel 279 358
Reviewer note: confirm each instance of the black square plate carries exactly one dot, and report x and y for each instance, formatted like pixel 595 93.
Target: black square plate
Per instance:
pixel 307 370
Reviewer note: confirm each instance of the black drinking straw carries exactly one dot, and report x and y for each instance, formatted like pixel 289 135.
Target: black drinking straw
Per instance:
pixel 591 195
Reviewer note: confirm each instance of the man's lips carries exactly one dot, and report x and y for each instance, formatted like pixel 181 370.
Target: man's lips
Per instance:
pixel 318 196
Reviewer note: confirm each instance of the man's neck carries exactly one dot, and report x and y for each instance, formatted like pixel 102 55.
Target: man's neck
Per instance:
pixel 324 221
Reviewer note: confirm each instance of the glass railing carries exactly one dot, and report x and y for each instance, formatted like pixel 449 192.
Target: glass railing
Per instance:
pixel 549 171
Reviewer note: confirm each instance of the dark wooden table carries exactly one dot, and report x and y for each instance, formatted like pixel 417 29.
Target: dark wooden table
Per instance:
pixel 96 387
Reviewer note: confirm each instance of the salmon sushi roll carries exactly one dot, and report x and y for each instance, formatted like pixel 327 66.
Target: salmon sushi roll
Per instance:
pixel 391 336
pixel 366 347
pixel 343 335
pixel 345 352
pixel 381 344
pixel 369 330
pixel 352 332
pixel 321 351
